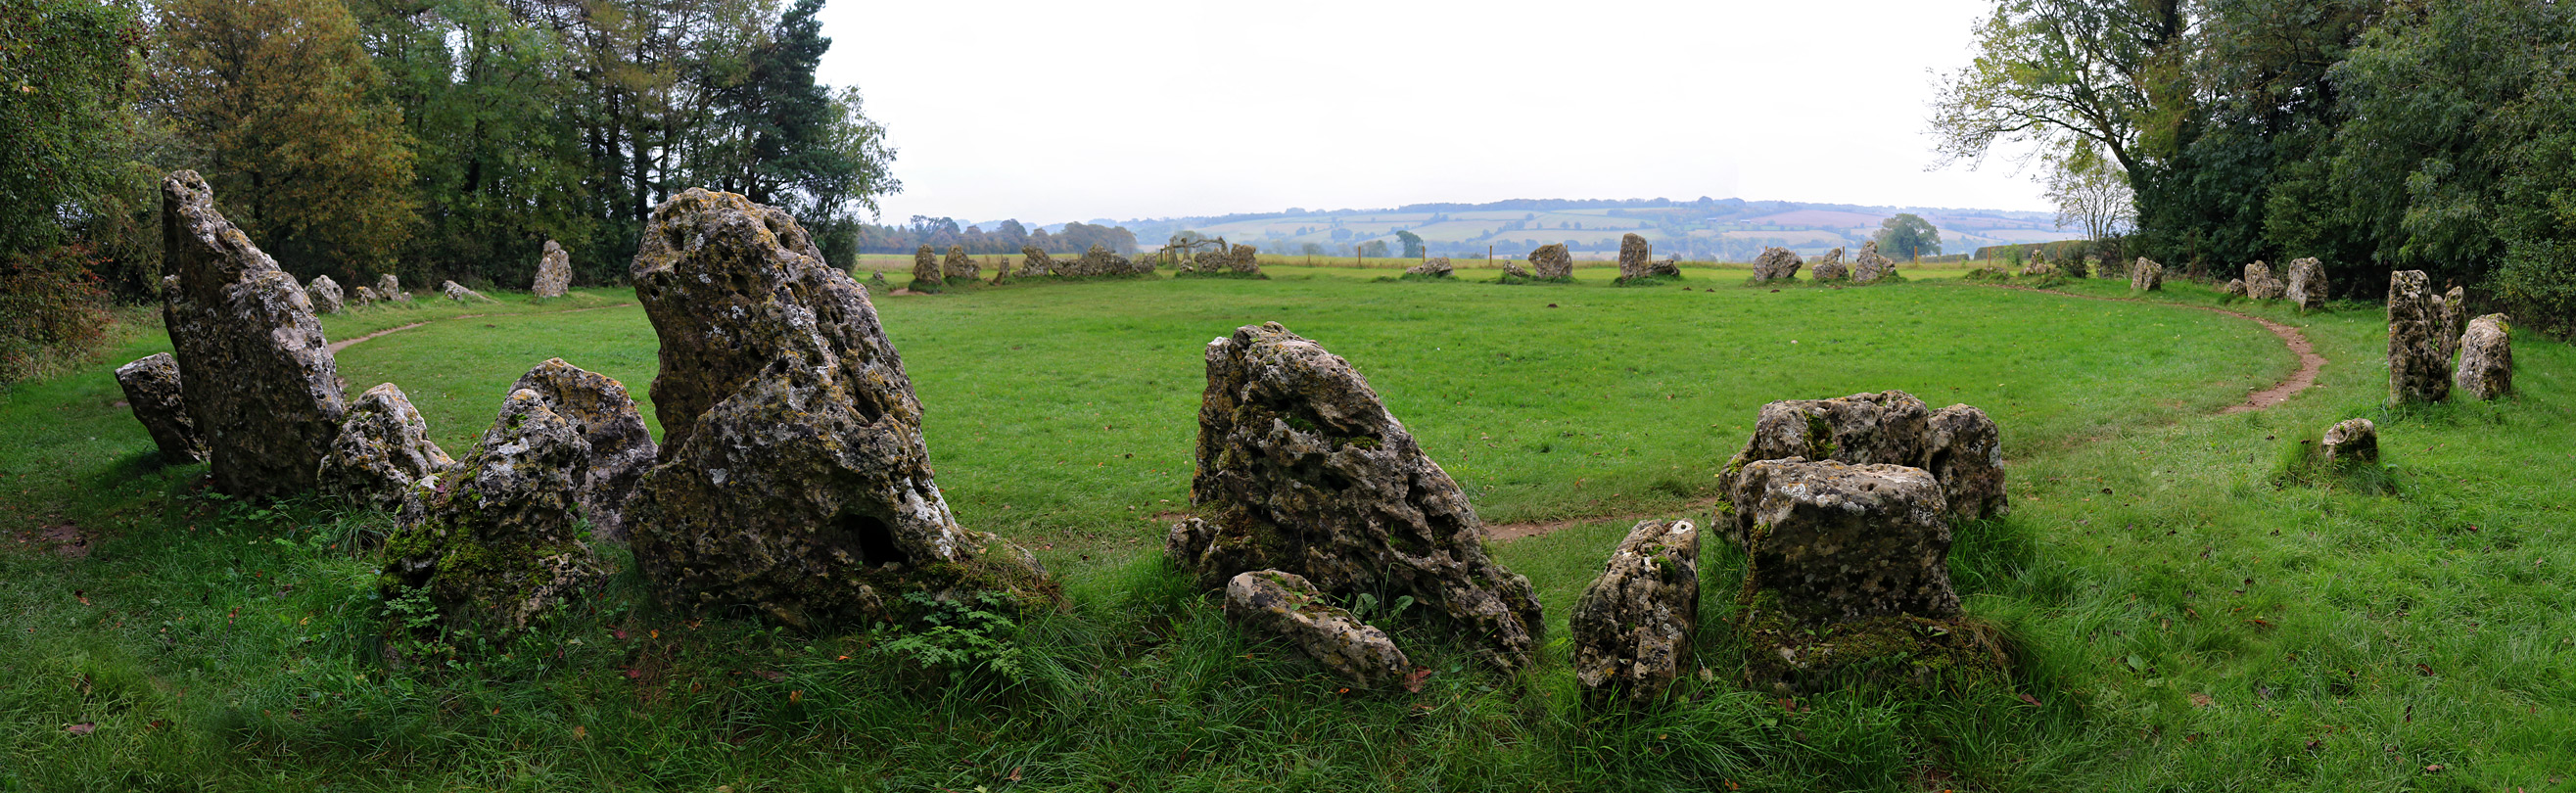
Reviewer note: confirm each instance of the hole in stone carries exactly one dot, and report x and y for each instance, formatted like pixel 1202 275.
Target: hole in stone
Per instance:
pixel 865 537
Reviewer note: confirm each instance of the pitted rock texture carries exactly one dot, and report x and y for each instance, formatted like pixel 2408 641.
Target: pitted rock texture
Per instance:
pixel 1100 261
pixel 2455 321
pixel 2235 287
pixel 959 265
pixel 1829 267
pixel 925 268
pixel 1776 264
pixel 1285 605
pixel 794 481
pixel 497 547
pixel 2351 440
pixel 2145 275
pixel 1668 266
pixel 1513 269
pixel 2037 268
pixel 554 272
pixel 1551 262
pixel 2261 283
pixel 1301 468
pixel 255 371
pixel 1246 260
pixel 367 296
pixel 621 449
pixel 2417 369
pixel 1035 261
pixel 151 385
pixel 1869 266
pixel 1436 267
pixel 1959 445
pixel 1839 542
pixel 1634 256
pixel 326 295
pixel 2486 358
pixel 389 289
pixel 2307 284
pixel 383 450
pixel 1634 625
pixel 1964 451
pixel 458 292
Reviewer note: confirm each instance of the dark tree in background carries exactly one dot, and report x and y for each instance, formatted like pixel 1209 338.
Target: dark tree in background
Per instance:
pixel 1412 244
pixel 1907 236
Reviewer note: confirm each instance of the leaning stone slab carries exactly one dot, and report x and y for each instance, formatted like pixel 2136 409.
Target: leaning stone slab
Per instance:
pixel 2417 369
pixel 326 294
pixel 2351 440
pixel 793 479
pixel 2486 358
pixel 1035 261
pixel 151 385
pixel 1302 469
pixel 1285 605
pixel 382 451
pixel 497 546
pixel 2307 284
pixel 2146 275
pixel 2261 284
pixel 1634 625
pixel 1776 264
pixel 959 265
pixel 1551 262
pixel 554 272
pixel 621 449
pixel 256 373
pixel 458 292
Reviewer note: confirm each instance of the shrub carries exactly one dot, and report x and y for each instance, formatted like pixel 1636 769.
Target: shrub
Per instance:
pixel 53 312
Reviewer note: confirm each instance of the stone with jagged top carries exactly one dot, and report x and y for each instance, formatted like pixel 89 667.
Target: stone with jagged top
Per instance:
pixel 151 386
pixel 2418 369
pixel 326 294
pixel 2145 275
pixel 1634 624
pixel 383 450
pixel 497 547
pixel 1551 262
pixel 255 372
pixel 2351 441
pixel 2306 287
pixel 621 449
pixel 2486 358
pixel 1286 605
pixel 2261 283
pixel 1776 264
pixel 554 272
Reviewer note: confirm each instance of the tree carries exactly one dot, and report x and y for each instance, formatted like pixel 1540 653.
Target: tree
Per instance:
pixel 68 79
pixel 2048 71
pixel 1376 248
pixel 2090 192
pixel 275 99
pixel 1412 244
pixel 1908 236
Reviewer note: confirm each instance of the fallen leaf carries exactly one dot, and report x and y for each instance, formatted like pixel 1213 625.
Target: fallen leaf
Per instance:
pixel 1413 680
pixel 580 731
pixel 1014 777
pixel 2435 768
pixel 2201 700
pixel 2034 701
pixel 83 728
pixel 796 696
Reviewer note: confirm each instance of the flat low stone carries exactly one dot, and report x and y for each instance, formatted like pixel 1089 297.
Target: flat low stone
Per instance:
pixel 1285 605
pixel 554 272
pixel 325 293
pixel 2351 440
pixel 1302 469
pixel 382 451
pixel 2418 371
pixel 151 385
pixel 366 295
pixel 1840 542
pixel 1883 427
pixel 1776 264
pixel 2306 286
pixel 497 548
pixel 1551 262
pixel 1436 267
pixel 257 375
pixel 1634 624
pixel 458 292
pixel 1829 267
pixel 2145 275
pixel 2235 287
pixel 2486 358
pixel 621 449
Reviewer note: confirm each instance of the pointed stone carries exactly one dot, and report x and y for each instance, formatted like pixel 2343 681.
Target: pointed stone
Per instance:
pixel 497 547
pixel 2486 358
pixel 151 385
pixel 382 451
pixel 256 373
pixel 2307 284
pixel 1551 262
pixel 1776 264
pixel 1634 625
pixel 554 272
pixel 326 294
pixel 621 449
pixel 2146 275
pixel 2261 284
pixel 2417 369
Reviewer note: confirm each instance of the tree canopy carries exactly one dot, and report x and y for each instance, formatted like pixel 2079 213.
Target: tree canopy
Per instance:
pixel 1907 236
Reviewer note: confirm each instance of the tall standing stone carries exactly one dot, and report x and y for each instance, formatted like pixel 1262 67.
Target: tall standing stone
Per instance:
pixel 497 547
pixel 1301 469
pixel 2307 284
pixel 554 272
pixel 2455 321
pixel 326 294
pixel 1551 262
pixel 619 448
pixel 1246 260
pixel 960 265
pixel 1776 264
pixel 1035 261
pixel 383 450
pixel 2417 369
pixel 2261 284
pixel 1870 265
pixel 1634 625
pixel 151 385
pixel 1635 257
pixel 2486 358
pixel 2146 275
pixel 925 270
pixel 794 481
pixel 256 373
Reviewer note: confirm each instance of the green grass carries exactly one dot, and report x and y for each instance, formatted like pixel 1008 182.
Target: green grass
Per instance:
pixel 2186 618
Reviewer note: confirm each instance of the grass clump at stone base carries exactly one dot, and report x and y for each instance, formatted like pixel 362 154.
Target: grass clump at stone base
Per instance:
pixel 1517 279
pixel 1220 274
pixel 1647 280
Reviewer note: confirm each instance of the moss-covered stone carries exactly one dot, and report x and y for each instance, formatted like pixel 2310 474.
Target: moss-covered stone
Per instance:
pixel 382 449
pixel 621 448
pixel 1636 625
pixel 497 545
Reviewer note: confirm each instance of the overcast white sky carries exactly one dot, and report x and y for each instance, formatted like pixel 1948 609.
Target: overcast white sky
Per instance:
pixel 1055 111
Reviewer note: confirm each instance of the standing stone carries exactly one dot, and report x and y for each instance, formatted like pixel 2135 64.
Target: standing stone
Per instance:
pixel 2351 440
pixel 1246 260
pixel 1839 542
pixel 497 546
pixel 2261 284
pixel 620 448
pixel 794 481
pixel 1633 256
pixel 1829 267
pixel 554 272
pixel 1964 451
pixel 457 292
pixel 1959 445
pixel 1551 262
pixel 1287 606
pixel 1633 626
pixel 1869 267
pixel 389 289
pixel 2455 321
pixel 2146 275
pixel 256 373
pixel 367 296
pixel 2486 358
pixel 1301 469
pixel 2307 284
pixel 382 451
pixel 1776 264
pixel 2417 369
pixel 1435 267
pixel 2235 287
pixel 1035 261
pixel 326 294
pixel 925 271
pixel 152 389
pixel 959 265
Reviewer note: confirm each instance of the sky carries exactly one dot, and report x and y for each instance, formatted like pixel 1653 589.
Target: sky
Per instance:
pixel 1055 111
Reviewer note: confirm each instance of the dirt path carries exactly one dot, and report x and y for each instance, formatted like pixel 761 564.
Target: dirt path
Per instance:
pixel 337 346
pixel 2309 364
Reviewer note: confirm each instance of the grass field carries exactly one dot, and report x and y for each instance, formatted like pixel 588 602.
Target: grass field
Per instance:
pixel 2190 610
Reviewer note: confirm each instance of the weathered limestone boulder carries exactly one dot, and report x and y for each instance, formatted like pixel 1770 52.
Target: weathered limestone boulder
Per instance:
pixel 1829 267
pixel 2146 275
pixel 1959 445
pixel 793 479
pixel 457 292
pixel 1035 261
pixel 620 448
pixel 1001 269
pixel 1964 451
pixel 554 272
pixel 1513 269
pixel 2307 284
pixel 151 386
pixel 383 450
pixel 1101 261
pixel 367 296
pixel 1285 605
pixel 1301 468
pixel 959 265
pixel 2261 284
pixel 877 283
pixel 2038 268
pixel 1776 264
pixel 2417 369
pixel 1435 267
pixel 389 289
pixel 2486 358
pixel 1246 260
pixel 1669 266
pixel 925 271
pixel 255 372
pixel 2455 321
pixel 1551 262
pixel 325 293
pixel 2235 287
pixel 1633 626
pixel 2351 440
pixel 497 546
pixel 1869 266
pixel 1634 254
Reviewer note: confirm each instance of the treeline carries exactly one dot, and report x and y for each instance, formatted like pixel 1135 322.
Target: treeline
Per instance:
pixel 1009 236
pixel 2376 135
pixel 435 139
